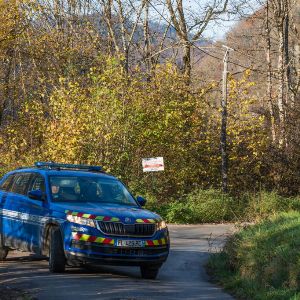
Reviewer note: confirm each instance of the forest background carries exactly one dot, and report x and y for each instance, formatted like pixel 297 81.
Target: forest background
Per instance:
pixel 109 82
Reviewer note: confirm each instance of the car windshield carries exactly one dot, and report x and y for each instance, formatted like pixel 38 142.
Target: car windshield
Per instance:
pixel 89 189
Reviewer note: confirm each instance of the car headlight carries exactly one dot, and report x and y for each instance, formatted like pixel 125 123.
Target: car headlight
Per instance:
pixel 81 221
pixel 161 225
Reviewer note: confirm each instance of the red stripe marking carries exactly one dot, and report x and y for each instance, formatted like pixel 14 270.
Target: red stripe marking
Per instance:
pixel 92 217
pixel 80 214
pixel 153 166
pixel 77 236
pixel 150 243
pixel 92 238
pixel 146 221
pixel 106 218
pixel 106 241
pixel 160 242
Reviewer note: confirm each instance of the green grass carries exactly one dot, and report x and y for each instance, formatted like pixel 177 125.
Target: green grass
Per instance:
pixel 200 206
pixel 262 261
pixel 206 206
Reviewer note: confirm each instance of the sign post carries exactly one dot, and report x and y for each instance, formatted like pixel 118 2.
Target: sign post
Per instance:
pixel 153 164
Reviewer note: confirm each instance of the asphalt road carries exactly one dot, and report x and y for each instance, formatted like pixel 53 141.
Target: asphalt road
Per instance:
pixel 181 277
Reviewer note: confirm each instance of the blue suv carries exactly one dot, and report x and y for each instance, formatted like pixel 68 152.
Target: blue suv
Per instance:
pixel 77 215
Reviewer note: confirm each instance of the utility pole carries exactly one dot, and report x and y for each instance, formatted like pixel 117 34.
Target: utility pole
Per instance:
pixel 224 155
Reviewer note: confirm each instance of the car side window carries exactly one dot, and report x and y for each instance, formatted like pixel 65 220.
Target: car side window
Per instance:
pixel 38 183
pixel 6 183
pixel 20 184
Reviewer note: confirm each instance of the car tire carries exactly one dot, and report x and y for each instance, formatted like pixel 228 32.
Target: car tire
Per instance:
pixel 149 271
pixel 57 260
pixel 3 249
pixel 3 253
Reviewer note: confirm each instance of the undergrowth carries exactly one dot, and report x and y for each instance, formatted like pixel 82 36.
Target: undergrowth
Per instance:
pixel 205 206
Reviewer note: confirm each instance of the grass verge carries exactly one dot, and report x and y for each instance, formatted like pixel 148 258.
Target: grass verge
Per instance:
pixel 206 206
pixel 262 261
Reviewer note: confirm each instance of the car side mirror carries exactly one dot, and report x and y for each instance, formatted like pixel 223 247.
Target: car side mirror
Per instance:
pixel 142 201
pixel 36 195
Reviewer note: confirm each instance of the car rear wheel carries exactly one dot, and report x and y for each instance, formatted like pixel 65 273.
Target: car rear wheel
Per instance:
pixel 3 253
pixel 57 260
pixel 3 249
pixel 149 271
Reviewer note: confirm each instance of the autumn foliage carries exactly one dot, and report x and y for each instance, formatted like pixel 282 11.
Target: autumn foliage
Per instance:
pixel 69 94
pixel 115 120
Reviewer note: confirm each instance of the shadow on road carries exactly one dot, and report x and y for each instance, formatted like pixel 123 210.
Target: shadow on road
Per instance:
pixel 182 277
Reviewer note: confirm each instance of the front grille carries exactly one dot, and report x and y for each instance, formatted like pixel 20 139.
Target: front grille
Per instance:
pixel 113 228
pixel 120 251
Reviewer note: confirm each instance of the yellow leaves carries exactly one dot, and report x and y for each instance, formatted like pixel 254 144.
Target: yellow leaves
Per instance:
pixel 247 72
pixel 113 121
pixel 246 131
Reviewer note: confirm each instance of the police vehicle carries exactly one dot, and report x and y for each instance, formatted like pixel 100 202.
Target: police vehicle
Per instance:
pixel 77 215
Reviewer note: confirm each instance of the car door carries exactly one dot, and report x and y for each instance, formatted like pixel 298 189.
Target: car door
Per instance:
pixel 4 187
pixel 15 222
pixel 38 211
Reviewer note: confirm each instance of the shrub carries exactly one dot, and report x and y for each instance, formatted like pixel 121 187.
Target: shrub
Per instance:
pixel 264 204
pixel 201 206
pixel 204 206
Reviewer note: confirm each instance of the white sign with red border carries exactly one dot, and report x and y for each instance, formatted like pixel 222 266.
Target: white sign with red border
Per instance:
pixel 153 164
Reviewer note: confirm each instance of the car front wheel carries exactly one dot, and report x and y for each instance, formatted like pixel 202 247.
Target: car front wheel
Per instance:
pixel 149 271
pixel 57 260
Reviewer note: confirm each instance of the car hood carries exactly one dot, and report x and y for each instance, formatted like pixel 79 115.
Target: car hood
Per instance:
pixel 122 212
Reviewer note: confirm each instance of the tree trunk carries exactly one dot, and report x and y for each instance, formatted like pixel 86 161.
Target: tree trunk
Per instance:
pixel 187 60
pixel 281 85
pixel 269 74
pixel 289 101
pixel 147 42
pixel 7 108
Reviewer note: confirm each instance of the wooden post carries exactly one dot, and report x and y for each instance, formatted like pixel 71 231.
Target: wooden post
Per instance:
pixel 224 155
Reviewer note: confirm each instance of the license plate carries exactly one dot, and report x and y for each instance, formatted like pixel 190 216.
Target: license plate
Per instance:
pixel 130 243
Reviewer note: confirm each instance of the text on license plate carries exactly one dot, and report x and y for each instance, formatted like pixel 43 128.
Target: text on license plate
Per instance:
pixel 130 243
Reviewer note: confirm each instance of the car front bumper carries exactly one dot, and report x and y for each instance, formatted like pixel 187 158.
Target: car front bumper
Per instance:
pixel 93 248
pixel 87 252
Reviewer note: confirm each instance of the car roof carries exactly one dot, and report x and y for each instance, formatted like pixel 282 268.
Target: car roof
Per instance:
pixel 62 172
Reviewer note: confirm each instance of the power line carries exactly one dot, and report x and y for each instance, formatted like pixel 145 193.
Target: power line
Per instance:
pixel 209 54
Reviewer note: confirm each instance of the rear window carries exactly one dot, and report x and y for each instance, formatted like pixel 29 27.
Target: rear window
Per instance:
pixel 6 183
pixel 20 184
pixel 38 183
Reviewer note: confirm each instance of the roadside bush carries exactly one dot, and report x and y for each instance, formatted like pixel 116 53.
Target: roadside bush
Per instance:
pixel 201 206
pixel 262 261
pixel 264 204
pixel 206 206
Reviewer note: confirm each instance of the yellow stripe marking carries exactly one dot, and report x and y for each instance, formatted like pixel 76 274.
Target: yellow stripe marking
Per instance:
pixel 84 237
pixel 99 240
